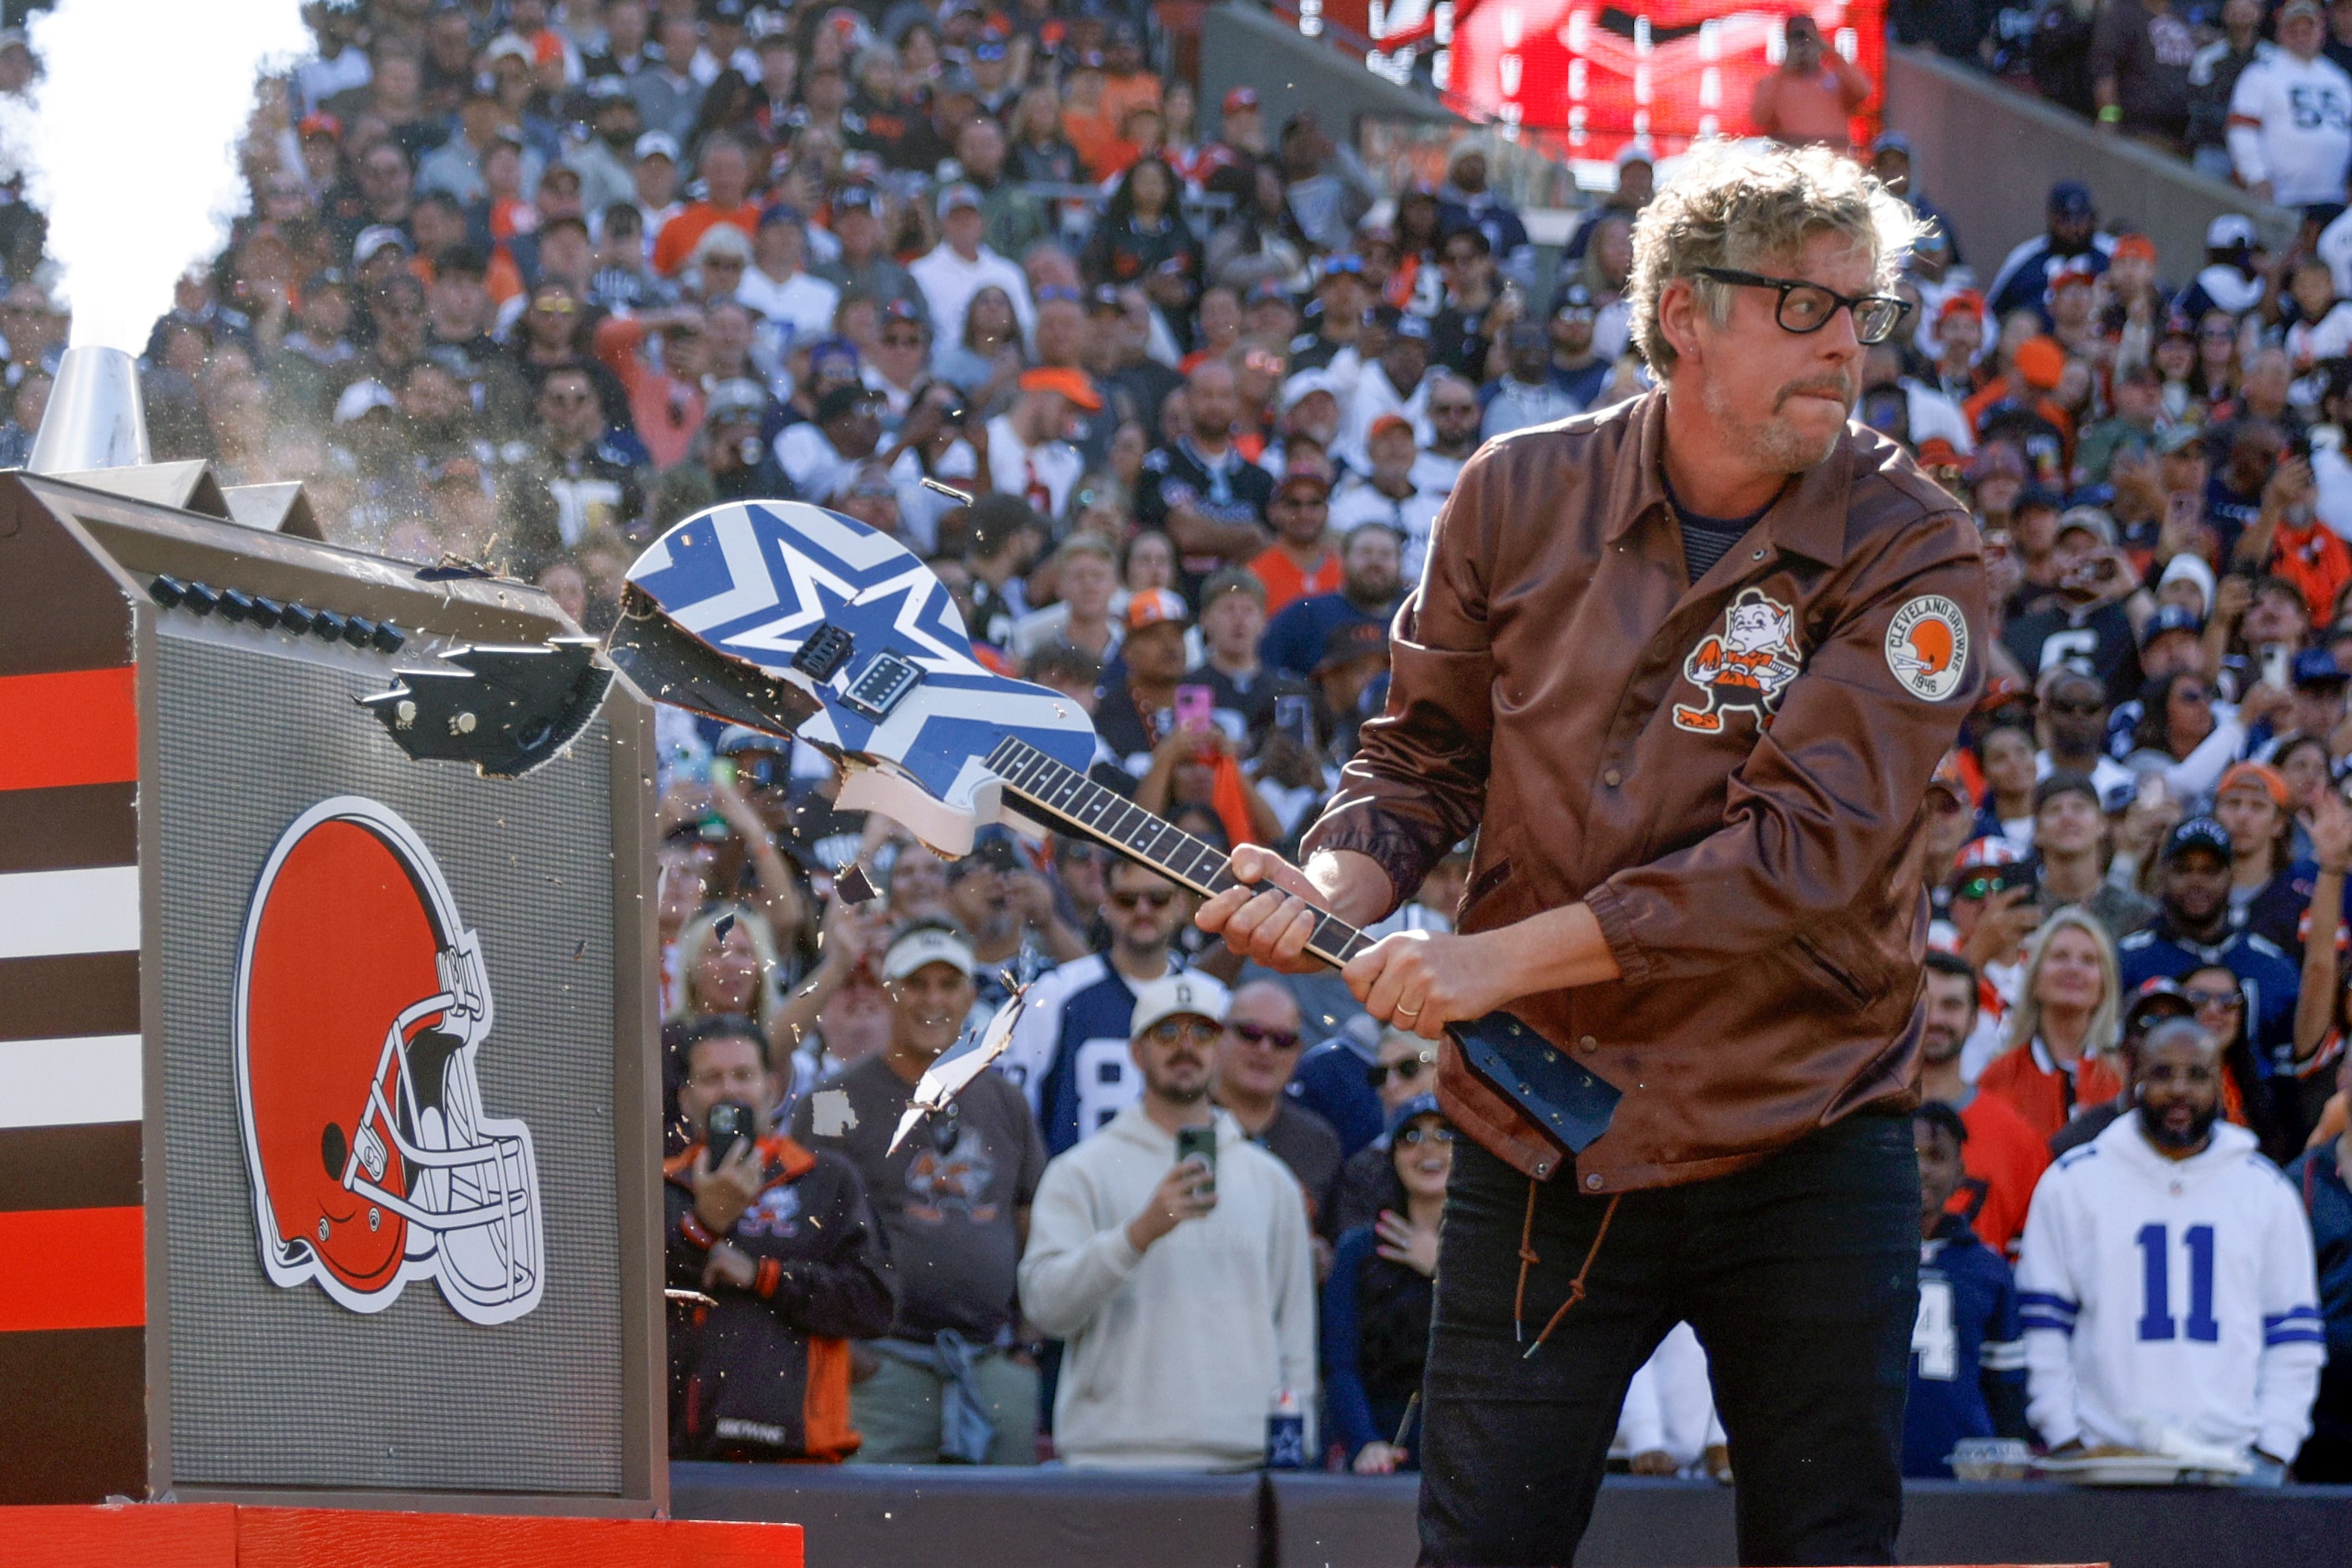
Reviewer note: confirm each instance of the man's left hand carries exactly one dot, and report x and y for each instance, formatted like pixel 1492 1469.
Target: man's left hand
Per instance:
pixel 1421 981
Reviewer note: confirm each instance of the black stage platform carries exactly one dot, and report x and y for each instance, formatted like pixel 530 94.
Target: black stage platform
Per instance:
pixel 892 1518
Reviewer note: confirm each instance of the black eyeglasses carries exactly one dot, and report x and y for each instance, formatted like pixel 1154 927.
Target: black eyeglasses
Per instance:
pixel 1808 307
pixel 2229 1001
pixel 1406 1070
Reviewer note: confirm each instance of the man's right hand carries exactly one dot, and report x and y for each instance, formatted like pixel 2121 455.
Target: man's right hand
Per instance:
pixel 1269 917
pixel 721 1194
pixel 1186 1192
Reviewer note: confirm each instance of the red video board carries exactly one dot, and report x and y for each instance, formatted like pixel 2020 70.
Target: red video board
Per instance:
pixel 1597 74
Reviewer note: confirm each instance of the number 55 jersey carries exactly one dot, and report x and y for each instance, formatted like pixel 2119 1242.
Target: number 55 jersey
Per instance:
pixel 2169 1300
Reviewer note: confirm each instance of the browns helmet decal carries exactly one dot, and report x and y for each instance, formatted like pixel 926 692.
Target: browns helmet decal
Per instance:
pixel 361 1005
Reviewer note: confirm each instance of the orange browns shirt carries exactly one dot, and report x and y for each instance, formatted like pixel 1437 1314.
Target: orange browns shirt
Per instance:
pixel 1285 582
pixel 682 234
pixel 2048 1098
pixel 2003 1158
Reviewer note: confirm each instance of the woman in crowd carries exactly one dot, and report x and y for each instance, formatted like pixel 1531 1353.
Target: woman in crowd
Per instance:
pixel 2181 738
pixel 1403 1065
pixel 1141 231
pixel 2062 1033
pixel 987 361
pixel 1376 1304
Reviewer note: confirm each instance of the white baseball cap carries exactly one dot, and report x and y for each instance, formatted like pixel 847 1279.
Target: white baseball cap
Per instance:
pixel 926 944
pixel 1178 992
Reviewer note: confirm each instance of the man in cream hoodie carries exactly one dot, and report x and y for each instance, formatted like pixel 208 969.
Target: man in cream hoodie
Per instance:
pixel 1186 1293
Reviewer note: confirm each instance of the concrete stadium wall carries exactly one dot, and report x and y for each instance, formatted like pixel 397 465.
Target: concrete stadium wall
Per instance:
pixel 882 1518
pixel 1242 45
pixel 1988 155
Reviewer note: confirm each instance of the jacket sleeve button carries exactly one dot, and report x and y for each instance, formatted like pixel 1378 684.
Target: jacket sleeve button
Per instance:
pixel 1592 1183
pixel 1588 1044
pixel 1612 778
pixel 1543 1167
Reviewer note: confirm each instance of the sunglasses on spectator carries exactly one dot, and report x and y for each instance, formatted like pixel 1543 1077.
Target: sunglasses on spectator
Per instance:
pixel 1414 1135
pixel 1259 1034
pixel 2192 694
pixel 1406 1071
pixel 570 399
pixel 902 339
pixel 2080 707
pixel 712 261
pixel 1169 1031
pixel 1134 900
pixel 2227 1001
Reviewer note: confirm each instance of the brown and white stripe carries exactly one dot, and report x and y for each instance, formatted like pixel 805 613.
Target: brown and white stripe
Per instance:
pixel 72 1221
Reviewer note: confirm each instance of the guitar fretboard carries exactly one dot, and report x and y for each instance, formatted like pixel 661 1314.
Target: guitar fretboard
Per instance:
pixel 1068 801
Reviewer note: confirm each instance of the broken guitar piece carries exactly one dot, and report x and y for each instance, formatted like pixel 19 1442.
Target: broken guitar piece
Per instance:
pixel 504 709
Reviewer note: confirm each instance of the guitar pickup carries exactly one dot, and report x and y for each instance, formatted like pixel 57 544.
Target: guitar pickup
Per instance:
pixel 881 685
pixel 827 649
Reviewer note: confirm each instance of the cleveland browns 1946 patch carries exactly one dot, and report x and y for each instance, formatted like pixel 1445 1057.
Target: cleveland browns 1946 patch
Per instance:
pixel 1927 647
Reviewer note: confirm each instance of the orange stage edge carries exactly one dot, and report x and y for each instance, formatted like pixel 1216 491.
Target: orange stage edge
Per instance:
pixel 229 1535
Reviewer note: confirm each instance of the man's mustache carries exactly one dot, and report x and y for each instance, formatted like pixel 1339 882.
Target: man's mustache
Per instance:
pixel 1840 388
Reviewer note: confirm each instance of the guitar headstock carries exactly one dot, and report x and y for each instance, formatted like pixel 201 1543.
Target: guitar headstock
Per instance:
pixel 830 630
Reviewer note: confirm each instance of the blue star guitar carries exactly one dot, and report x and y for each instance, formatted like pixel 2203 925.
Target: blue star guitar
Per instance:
pixel 798 621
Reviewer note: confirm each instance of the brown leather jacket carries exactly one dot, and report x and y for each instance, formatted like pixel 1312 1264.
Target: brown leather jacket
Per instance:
pixel 1727 774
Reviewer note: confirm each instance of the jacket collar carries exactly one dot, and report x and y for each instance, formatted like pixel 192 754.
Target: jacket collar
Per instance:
pixel 1807 520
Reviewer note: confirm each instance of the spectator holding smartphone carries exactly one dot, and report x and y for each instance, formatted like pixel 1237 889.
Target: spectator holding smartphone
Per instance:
pixel 1184 1286
pixel 781 1242
pixel 1376 1304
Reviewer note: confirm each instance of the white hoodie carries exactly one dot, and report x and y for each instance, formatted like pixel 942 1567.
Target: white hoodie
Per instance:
pixel 2167 1298
pixel 1175 1354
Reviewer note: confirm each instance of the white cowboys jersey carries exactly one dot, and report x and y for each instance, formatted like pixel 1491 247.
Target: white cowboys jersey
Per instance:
pixel 2166 1297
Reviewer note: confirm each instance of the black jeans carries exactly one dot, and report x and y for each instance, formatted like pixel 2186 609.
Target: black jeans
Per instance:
pixel 1801 1276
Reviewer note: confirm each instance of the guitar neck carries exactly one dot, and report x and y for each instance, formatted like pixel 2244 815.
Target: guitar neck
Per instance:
pixel 1068 802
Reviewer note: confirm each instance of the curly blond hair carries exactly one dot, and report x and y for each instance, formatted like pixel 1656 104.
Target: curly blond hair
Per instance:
pixel 1739 204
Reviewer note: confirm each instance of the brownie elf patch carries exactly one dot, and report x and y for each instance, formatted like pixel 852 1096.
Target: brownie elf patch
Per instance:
pixel 1927 647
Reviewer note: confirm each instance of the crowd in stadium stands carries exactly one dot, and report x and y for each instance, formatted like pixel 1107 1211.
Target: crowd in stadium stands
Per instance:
pixel 524 284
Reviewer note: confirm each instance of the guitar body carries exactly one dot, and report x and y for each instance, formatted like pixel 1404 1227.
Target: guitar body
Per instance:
pixel 795 620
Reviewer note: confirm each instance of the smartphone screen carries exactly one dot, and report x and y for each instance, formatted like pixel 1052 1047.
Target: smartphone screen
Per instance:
pixel 1294 715
pixel 1194 706
pixel 730 1123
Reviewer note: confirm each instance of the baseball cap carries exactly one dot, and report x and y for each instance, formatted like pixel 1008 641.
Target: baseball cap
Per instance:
pixel 2061 782
pixel 2075 274
pixel 1075 385
pixel 1345 645
pixel 1992 849
pixel 2155 999
pixel 2070 198
pixel 2179 438
pixel 2090 519
pixel 1575 297
pixel 1409 325
pixel 326 278
pixel 375 238
pixel 1307 382
pixel 1240 99
pixel 507 46
pixel 362 398
pixel 2231 231
pixel 1891 142
pixel 2298 8
pixel 1151 607
pixel 2197 833
pixel 2128 246
pixel 843 400
pixel 925 944
pixel 1182 994
pixel 1386 423
pixel 1949 778
pixel 2258 776
pixel 1303 480
pixel 2041 362
pixel 1423 1104
pixel 321 124
pixel 2317 667
pixel 959 194
pixel 1961 302
pixel 735 401
pixel 656 144
pixel 2171 618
